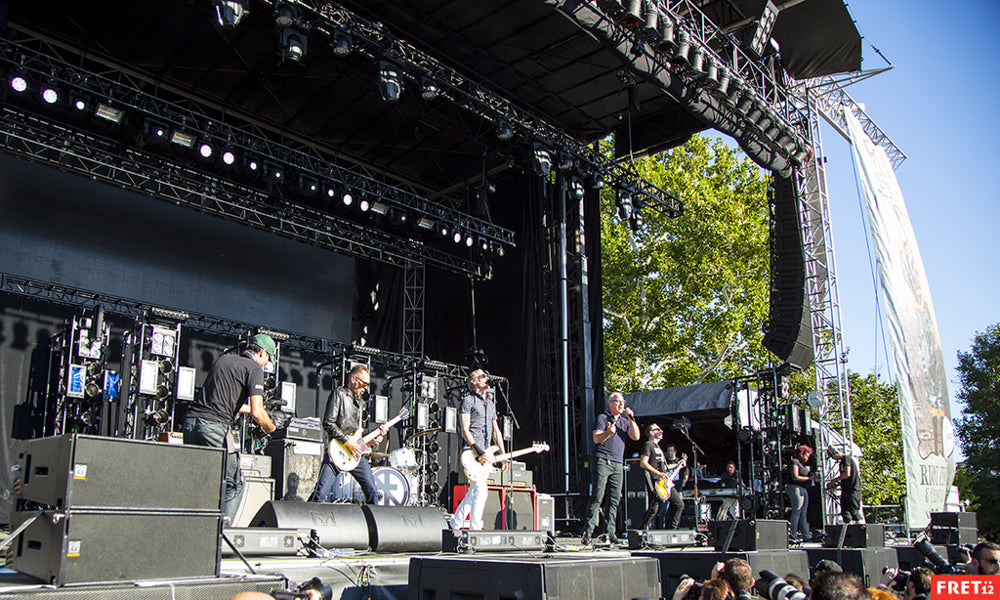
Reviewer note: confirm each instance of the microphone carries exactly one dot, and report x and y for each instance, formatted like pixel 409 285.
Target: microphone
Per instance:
pixel 494 378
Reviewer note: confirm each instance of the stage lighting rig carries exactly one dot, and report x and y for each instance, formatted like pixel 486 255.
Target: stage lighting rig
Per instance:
pixel 229 13
pixel 763 26
pixel 390 85
pixel 292 32
pixel 80 379
pixel 342 44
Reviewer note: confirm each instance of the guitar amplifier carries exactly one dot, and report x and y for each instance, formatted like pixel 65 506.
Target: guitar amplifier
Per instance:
pixel 255 465
pixel 309 430
pixel 517 475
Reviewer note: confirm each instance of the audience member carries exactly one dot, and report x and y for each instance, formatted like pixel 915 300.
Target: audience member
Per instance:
pixel 918 585
pixel 834 585
pixel 986 559
pixel 714 589
pixel 798 583
pixel 739 575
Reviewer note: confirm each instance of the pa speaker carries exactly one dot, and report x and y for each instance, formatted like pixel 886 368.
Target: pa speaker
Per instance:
pixel 857 536
pixel 405 528
pixel 749 535
pixel 953 519
pixel 336 525
pixel 866 563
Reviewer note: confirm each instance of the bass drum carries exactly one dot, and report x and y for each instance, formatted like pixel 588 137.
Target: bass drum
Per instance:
pixel 393 487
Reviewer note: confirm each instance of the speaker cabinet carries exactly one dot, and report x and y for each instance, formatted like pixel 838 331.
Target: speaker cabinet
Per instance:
pixel 295 468
pixel 82 471
pixel 954 535
pixel 263 541
pixel 867 563
pixel 404 528
pixel 82 546
pixel 857 536
pixel 256 492
pixel 519 504
pixel 957 520
pixel 750 535
pixel 545 512
pixel 336 525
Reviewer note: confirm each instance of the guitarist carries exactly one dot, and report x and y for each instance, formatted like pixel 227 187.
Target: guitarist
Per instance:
pixel 654 463
pixel 344 415
pixel 477 417
pixel 680 472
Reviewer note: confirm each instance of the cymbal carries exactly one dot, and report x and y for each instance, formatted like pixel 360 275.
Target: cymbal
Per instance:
pixel 424 432
pixel 378 455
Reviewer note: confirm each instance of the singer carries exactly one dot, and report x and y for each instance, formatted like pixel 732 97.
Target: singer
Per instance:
pixel 610 430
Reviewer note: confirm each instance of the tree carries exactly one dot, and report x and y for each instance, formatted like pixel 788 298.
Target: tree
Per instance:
pixel 978 428
pixel 685 298
pixel 875 412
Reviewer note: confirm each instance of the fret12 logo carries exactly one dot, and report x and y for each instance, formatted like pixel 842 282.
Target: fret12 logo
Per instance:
pixel 965 587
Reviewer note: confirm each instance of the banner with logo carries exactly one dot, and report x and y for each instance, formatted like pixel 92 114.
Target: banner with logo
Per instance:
pixel 925 408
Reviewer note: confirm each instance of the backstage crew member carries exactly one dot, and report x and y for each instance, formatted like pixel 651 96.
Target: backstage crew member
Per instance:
pixel 653 462
pixel 343 418
pixel 477 418
pixel 610 429
pixel 234 385
pixel 798 494
pixel 849 481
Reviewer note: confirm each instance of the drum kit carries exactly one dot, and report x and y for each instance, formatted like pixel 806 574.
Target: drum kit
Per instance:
pixel 398 484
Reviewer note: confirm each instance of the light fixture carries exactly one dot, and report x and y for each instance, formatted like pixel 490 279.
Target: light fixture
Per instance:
pixel 505 131
pixel 457 237
pixel 652 18
pixel 624 203
pixel 251 163
pixel 683 49
pixel 273 171
pixel 379 209
pixel 397 217
pixel 666 43
pixel 205 150
pixel 342 44
pixel 364 204
pixel 228 157
pixel 428 88
pixel 389 84
pixel 469 240
pixel 633 15
pixel 697 60
pixel 308 184
pixel 636 221
pixel 79 100
pixel 598 180
pixel 484 244
pixel 722 90
pixel 110 113
pixel 442 229
pixel 49 94
pixel 347 198
pixel 230 12
pixel 156 129
pixel 183 138
pixel 711 73
pixel 292 32
pixel 564 160
pixel 764 24
pixel 576 189
pixel 425 223
pixel 18 83
pixel 541 159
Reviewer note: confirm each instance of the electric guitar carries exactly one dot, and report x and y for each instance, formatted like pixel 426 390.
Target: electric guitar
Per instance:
pixel 342 457
pixel 476 471
pixel 666 484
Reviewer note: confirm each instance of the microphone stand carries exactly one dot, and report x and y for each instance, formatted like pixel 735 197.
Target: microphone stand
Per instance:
pixel 695 449
pixel 509 487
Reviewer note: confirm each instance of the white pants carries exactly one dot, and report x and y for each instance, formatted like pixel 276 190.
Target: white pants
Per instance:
pixel 471 507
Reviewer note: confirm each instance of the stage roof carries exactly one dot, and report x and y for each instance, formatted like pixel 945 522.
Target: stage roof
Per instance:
pixel 529 51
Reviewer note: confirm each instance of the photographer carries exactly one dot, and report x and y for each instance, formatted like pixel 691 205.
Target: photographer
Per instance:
pixel 986 559
pixel 918 585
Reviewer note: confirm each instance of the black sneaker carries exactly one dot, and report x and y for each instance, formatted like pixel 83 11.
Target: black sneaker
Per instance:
pixel 585 538
pixel 613 539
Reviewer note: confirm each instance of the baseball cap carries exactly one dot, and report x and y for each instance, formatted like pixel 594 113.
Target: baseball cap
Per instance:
pixel 264 341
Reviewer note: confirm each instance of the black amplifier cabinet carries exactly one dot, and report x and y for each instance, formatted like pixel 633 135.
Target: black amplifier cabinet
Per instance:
pixel 750 535
pixel 954 535
pixel 84 546
pixel 955 520
pixel 82 471
pixel 858 536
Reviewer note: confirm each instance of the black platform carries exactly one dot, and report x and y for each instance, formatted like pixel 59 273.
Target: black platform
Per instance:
pixel 864 562
pixel 698 564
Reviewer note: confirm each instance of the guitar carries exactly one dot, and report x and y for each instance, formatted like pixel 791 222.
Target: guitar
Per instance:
pixel 344 459
pixel 666 484
pixel 477 471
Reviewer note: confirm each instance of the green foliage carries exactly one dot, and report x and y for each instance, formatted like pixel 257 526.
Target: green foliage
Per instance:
pixel 979 427
pixel 685 298
pixel 875 412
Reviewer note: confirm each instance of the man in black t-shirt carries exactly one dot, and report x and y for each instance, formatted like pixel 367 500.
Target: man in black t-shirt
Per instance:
pixel 234 385
pixel 610 430
pixel 850 486
pixel 654 463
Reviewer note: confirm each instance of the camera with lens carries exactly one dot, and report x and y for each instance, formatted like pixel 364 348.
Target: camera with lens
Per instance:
pixel 302 592
pixel 899 578
pixel 771 585
pixel 693 592
pixel 939 564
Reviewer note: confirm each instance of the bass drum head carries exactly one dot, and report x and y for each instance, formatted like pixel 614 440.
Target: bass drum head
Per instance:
pixel 346 489
pixel 393 487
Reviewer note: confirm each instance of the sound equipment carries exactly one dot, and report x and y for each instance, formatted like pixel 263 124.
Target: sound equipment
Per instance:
pixel 404 528
pixel 956 520
pixel 545 512
pixel 857 536
pixel 343 458
pixel 663 538
pixel 256 491
pixel 92 546
pixel 506 508
pixel 712 493
pixel 307 430
pixel 517 475
pixel 954 535
pixel 336 525
pixel 556 577
pixel 749 535
pixel 867 563
pixel 255 465
pixel 477 471
pixel 492 541
pixel 82 471
pixel 699 564
pixel 264 541
pixel 222 588
pixel 295 467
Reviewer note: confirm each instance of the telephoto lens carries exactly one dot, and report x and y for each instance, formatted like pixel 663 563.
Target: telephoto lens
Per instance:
pixel 772 586
pixel 899 578
pixel 941 564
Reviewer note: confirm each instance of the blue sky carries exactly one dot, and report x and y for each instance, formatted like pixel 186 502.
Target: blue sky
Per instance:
pixel 940 106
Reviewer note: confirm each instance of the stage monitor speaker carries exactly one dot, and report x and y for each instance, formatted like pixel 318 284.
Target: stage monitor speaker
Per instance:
pixel 788 333
pixel 295 466
pixel 545 512
pixel 83 546
pixel 661 538
pixel 698 563
pixel 82 471
pixel 866 563
pixel 954 535
pixel 256 491
pixel 750 535
pixel 954 519
pixel 549 578
pixel 264 541
pixel 857 536
pixel 336 525
pixel 404 528
pixel 492 541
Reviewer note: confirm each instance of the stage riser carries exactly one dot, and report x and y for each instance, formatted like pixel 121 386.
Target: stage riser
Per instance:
pixel 208 589
pixel 674 564
pixel 867 563
pixel 550 579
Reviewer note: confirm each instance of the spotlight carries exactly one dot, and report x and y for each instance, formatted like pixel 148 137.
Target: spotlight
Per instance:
pixel 711 73
pixel 183 138
pixel 251 163
pixel 79 100
pixel 389 84
pixel 505 131
pixel 484 245
pixel 110 113
pixel 457 237
pixel 378 208
pixel 342 44
pixel 331 191
pixel 50 95
pixel 665 32
pixel 228 157
pixel 636 222
pixel 428 89
pixel 633 16
pixel 18 83
pixel 397 217
pixel 576 189
pixel 364 205
pixel 564 160
pixel 205 150
pixel 308 184
pixel 624 203
pixel 230 12
pixel 425 223
pixel 468 240
pixel 541 159
pixel 291 32
pixel 273 171
pixel 652 18
pixel 697 60
pixel 765 23
pixel 442 229
pixel 157 130
pixel 598 181
pixel 680 57
pixel 722 89
pixel 347 198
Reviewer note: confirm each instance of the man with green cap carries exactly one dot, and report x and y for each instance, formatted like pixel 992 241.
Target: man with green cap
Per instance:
pixel 234 384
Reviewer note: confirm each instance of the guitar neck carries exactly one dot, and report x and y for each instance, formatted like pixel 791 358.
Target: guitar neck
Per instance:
pixel 374 434
pixel 514 454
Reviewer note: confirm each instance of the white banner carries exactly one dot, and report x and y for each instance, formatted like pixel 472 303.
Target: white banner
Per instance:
pixel 928 437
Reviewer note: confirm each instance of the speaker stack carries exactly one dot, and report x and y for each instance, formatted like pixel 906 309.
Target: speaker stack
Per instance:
pixel 113 509
pixel 506 507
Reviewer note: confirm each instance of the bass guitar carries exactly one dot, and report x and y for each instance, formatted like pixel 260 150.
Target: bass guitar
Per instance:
pixel 665 485
pixel 342 457
pixel 477 471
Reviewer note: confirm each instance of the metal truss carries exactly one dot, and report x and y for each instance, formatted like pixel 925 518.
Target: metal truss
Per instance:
pixel 105 160
pixel 413 311
pixel 375 41
pixel 123 96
